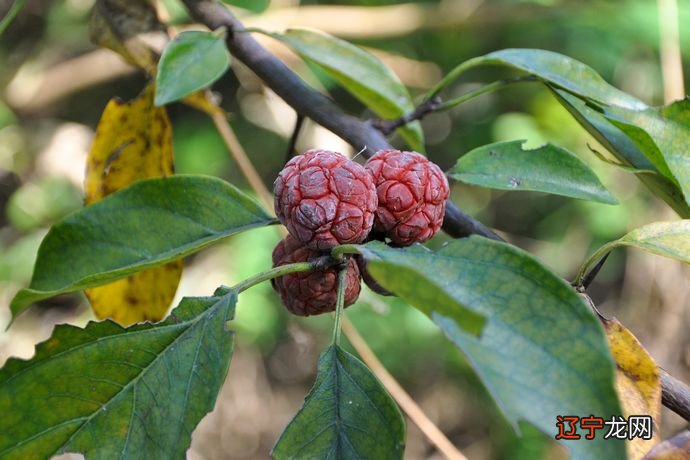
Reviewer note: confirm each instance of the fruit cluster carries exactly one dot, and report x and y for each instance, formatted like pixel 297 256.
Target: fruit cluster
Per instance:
pixel 324 199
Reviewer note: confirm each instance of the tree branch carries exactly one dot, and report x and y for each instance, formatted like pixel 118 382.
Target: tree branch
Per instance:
pixel 675 394
pixel 423 109
pixel 312 104
pixel 358 133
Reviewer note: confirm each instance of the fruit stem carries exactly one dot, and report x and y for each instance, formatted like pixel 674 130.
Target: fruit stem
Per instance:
pixel 339 304
pixel 274 273
pixel 339 251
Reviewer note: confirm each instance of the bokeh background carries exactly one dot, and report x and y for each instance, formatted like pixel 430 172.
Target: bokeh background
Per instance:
pixel 54 84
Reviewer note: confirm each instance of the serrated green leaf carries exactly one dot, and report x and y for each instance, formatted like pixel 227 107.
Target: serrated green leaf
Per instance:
pixel 542 352
pixel 667 239
pixel 360 73
pixel 550 169
pixel 151 222
pixel 347 414
pixel 191 61
pixel 618 143
pixel 109 392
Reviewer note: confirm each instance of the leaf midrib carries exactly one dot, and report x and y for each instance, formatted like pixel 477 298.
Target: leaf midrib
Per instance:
pixel 148 262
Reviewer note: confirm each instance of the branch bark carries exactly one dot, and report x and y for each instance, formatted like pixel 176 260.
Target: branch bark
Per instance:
pixel 312 104
pixel 675 394
pixel 358 133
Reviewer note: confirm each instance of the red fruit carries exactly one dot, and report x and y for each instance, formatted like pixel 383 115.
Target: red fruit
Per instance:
pixel 324 199
pixel 412 193
pixel 311 293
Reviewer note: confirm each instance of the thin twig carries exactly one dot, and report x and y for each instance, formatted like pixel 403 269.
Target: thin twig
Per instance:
pixel 404 400
pixel 293 139
pixel 675 395
pixel 435 104
pixel 423 109
pixel 237 151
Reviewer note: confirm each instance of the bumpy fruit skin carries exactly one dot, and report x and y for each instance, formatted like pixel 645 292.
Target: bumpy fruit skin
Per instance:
pixel 324 199
pixel 311 293
pixel 412 194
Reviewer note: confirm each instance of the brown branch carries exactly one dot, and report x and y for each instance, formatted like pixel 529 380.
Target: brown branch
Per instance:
pixel 675 394
pixel 310 103
pixel 358 133
pixel 423 109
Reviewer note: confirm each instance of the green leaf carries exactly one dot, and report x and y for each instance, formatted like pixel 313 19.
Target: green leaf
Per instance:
pixel 255 6
pixel 542 352
pixel 151 222
pixel 554 68
pixel 663 135
pixel 191 61
pixel 347 414
pixel 564 72
pixel 667 239
pixel 550 169
pixel 618 143
pixel 109 392
pixel 360 73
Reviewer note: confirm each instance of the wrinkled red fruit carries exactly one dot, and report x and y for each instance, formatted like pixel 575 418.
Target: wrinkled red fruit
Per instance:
pixel 324 199
pixel 311 293
pixel 412 193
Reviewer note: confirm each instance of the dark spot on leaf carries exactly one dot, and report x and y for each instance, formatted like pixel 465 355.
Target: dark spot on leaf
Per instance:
pixel 130 299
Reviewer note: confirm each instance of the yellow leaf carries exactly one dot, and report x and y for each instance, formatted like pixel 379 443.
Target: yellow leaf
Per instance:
pixel 131 29
pixel 638 383
pixel 140 297
pixel 133 141
pixel 675 448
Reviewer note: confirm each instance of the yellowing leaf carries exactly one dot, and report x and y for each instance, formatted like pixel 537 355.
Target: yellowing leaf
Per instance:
pixel 131 29
pixel 133 141
pixel 143 296
pixel 637 382
pixel 675 448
